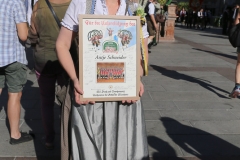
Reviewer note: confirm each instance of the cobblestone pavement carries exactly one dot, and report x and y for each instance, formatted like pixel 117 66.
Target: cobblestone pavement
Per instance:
pixel 187 110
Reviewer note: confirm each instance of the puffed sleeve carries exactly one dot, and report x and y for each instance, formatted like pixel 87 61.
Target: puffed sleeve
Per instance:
pixel 70 19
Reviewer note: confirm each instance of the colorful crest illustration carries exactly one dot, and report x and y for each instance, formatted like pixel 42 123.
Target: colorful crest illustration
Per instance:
pixel 94 36
pixel 125 36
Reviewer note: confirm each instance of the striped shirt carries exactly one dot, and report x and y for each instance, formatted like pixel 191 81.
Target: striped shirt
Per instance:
pixel 12 12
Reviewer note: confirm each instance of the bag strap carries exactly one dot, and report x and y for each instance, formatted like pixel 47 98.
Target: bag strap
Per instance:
pixel 32 3
pixel 53 13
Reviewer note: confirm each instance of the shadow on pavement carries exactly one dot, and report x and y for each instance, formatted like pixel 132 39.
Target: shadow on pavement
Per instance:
pixel 234 57
pixel 212 30
pixel 213 36
pixel 197 142
pixel 176 75
pixel 32 122
pixel 164 150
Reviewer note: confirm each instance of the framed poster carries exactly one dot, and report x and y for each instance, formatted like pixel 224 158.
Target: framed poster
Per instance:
pixel 109 57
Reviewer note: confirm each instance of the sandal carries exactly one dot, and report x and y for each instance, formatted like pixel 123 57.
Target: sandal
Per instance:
pixel 25 137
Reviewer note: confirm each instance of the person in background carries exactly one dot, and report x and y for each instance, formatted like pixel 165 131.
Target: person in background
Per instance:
pixel 208 16
pixel 182 15
pixel 157 13
pixel 236 90
pixel 233 14
pixel 13 70
pixel 195 18
pixel 151 22
pixel 225 21
pixel 189 18
pixel 200 18
pixel 43 34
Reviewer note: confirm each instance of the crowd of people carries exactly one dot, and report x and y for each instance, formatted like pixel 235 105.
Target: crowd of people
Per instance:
pixel 194 19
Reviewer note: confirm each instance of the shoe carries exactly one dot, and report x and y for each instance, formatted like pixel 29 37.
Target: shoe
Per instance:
pixel 48 146
pixel 25 137
pixel 154 44
pixel 149 51
pixel 235 92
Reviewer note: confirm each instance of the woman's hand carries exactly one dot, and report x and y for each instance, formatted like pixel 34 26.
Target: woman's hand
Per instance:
pixel 78 91
pixel 140 94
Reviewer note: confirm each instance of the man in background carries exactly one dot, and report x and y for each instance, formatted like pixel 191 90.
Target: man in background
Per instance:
pixel 151 22
pixel 13 71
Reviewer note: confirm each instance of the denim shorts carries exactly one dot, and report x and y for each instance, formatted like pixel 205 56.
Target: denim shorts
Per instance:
pixel 14 75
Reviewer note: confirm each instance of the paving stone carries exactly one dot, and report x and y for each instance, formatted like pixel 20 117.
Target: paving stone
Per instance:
pixel 162 145
pixel 29 149
pixel 184 96
pixel 166 105
pixel 26 158
pixel 153 88
pixel 31 94
pixel 39 158
pixel 170 127
pixel 2 114
pixel 198 115
pixel 184 105
pixel 218 127
pixel 146 96
pixel 236 113
pixel 208 145
pixel 34 114
pixel 197 77
pixel 31 103
pixel 151 115
pixel 36 126
pixel 150 105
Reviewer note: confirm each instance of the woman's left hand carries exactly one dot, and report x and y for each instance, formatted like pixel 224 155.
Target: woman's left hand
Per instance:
pixel 140 94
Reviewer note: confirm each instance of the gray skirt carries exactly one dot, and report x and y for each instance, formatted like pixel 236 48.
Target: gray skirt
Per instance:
pixel 108 131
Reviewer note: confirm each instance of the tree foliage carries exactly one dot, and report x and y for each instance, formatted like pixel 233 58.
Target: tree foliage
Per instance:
pixel 184 5
pixel 162 2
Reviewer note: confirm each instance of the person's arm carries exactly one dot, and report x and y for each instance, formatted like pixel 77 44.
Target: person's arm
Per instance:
pixel 20 18
pixel 151 14
pixel 236 21
pixel 22 31
pixel 63 45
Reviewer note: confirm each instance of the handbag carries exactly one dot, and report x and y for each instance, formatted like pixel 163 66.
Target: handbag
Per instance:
pixel 160 18
pixel 234 36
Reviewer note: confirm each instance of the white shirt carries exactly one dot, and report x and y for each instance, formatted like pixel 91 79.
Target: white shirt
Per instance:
pixel 182 12
pixel 29 10
pixel 151 9
pixel 77 7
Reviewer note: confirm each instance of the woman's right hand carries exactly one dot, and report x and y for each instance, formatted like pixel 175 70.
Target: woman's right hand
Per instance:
pixel 78 91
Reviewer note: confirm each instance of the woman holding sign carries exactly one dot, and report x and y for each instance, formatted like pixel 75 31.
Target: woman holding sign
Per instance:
pixel 107 130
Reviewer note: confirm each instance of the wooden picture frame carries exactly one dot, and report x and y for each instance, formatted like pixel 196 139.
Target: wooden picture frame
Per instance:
pixel 109 57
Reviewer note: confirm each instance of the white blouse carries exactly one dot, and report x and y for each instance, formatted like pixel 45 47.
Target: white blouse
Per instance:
pixel 77 7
